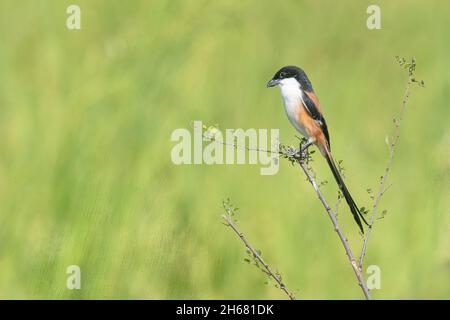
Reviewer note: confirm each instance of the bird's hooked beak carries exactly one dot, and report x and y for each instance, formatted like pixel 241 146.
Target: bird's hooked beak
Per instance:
pixel 273 83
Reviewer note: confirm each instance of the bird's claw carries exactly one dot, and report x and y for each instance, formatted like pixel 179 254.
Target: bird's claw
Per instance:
pixel 293 153
pixel 304 148
pixel 300 153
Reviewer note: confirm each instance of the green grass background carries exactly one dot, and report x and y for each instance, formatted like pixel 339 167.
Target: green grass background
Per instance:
pixel 85 171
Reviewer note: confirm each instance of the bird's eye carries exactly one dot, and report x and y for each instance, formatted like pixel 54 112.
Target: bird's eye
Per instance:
pixel 282 74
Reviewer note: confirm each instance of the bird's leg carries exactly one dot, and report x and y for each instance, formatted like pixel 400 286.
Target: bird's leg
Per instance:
pixel 304 147
pixel 293 152
pixel 300 152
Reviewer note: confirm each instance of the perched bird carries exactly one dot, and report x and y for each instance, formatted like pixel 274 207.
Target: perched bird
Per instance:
pixel 303 110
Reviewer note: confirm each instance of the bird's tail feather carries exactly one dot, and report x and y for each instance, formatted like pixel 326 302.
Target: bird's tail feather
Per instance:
pixel 357 215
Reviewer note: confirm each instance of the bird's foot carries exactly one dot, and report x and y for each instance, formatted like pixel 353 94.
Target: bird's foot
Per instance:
pixel 304 148
pixel 293 153
pixel 301 153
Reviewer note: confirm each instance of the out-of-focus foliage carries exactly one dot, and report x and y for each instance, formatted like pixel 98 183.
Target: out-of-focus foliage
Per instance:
pixel 85 171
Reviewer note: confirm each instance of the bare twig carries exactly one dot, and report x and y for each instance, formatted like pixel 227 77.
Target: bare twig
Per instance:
pixel 410 66
pixel 209 134
pixel 332 216
pixel 303 160
pixel 229 221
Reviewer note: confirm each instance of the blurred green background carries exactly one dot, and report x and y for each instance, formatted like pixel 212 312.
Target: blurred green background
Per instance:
pixel 85 171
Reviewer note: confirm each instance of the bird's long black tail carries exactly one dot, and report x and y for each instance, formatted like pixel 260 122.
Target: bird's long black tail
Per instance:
pixel 357 215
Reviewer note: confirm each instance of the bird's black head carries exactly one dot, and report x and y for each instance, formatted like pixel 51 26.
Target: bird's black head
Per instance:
pixel 291 72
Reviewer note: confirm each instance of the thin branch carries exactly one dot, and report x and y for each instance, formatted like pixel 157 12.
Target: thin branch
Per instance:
pixel 392 147
pixel 332 216
pixel 230 222
pixel 303 160
pixel 211 136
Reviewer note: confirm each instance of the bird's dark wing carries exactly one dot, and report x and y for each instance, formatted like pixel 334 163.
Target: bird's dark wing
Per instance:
pixel 311 104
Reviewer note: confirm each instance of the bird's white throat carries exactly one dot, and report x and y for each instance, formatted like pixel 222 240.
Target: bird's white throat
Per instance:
pixel 292 95
pixel 291 92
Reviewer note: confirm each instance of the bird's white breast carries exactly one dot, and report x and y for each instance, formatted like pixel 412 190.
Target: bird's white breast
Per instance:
pixel 293 101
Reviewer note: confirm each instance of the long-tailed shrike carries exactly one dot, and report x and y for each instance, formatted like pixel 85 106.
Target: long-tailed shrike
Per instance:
pixel 303 110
